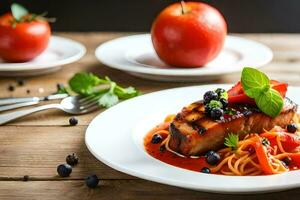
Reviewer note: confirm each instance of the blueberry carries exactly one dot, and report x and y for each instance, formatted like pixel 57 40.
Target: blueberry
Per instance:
pixel 287 161
pixel 224 102
pixel 213 158
pixel 292 128
pixel 92 181
pixel 72 159
pixel 64 170
pixel 205 170
pixel 219 91
pixel 216 113
pixel 73 121
pixel 210 95
pixel 156 138
pixel 207 110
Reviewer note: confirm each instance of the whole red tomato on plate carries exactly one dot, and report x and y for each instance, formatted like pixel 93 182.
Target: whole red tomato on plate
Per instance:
pixel 23 36
pixel 188 34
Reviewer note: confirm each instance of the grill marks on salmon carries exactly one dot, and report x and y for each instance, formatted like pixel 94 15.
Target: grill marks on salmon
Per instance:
pixel 193 133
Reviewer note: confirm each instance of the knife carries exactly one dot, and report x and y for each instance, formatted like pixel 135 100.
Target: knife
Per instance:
pixel 8 101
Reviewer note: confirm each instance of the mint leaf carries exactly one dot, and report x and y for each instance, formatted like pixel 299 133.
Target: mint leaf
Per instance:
pixel 83 83
pixel 253 79
pixel 18 11
pixel 109 99
pixel 270 102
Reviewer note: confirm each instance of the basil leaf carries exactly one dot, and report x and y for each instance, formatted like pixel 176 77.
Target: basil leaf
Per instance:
pixel 270 102
pixel 109 99
pixel 83 83
pixel 18 11
pixel 253 78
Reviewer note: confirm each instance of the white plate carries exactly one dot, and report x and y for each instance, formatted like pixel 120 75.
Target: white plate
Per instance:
pixel 115 137
pixel 136 55
pixel 60 51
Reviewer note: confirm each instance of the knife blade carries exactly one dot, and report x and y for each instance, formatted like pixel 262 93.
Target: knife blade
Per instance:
pixel 8 101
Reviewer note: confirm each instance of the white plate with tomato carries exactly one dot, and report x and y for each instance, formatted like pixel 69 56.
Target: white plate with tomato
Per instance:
pixel 166 137
pixel 188 42
pixel 27 47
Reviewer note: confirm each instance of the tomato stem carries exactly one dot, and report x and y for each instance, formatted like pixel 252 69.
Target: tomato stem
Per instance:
pixel 182 3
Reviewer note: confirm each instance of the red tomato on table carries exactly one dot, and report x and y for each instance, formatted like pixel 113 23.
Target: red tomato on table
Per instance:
pixel 22 41
pixel 188 35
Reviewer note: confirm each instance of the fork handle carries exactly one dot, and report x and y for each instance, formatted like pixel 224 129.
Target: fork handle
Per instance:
pixel 4 118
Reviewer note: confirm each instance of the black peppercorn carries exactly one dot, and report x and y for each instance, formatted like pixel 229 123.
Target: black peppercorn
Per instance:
pixel 72 159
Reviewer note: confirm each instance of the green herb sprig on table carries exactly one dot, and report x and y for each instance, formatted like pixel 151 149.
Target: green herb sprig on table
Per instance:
pixel 257 86
pixel 231 141
pixel 105 91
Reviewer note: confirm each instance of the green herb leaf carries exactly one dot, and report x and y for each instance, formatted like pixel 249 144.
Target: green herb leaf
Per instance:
pixel 231 141
pixel 215 104
pixel 126 93
pixel 83 83
pixel 108 99
pixel 18 11
pixel 270 102
pixel 257 86
pixel 253 79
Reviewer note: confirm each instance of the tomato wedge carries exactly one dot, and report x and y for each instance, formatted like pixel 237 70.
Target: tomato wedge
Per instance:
pixel 237 95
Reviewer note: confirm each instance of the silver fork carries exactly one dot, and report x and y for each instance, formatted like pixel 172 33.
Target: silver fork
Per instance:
pixel 72 105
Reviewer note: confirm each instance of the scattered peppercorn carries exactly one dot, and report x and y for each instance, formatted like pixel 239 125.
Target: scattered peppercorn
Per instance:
pixel 73 121
pixel 64 170
pixel 92 181
pixel 72 159
pixel 205 170
pixel 156 138
pixel 11 88
pixel 28 91
pixel 20 82
pixel 292 128
pixel 25 178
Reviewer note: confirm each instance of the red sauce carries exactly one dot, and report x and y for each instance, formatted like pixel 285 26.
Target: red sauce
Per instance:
pixel 194 164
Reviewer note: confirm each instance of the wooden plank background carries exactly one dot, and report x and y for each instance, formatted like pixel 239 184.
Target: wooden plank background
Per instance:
pixel 36 144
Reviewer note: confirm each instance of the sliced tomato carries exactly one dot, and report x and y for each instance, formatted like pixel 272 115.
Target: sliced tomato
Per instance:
pixel 237 95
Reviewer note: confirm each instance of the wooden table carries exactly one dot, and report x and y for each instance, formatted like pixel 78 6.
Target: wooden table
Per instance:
pixel 35 145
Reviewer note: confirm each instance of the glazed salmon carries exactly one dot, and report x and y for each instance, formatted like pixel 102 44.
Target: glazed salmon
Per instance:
pixel 193 133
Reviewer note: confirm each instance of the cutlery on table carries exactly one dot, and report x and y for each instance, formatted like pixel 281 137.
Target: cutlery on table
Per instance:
pixel 14 100
pixel 72 105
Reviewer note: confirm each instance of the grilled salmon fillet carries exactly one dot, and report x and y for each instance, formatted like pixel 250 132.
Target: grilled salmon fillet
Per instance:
pixel 193 133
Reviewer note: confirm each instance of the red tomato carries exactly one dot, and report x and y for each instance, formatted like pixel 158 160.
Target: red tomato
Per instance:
pixel 237 95
pixel 24 41
pixel 190 38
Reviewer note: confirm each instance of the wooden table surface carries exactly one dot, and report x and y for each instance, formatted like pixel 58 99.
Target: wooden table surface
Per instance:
pixel 35 145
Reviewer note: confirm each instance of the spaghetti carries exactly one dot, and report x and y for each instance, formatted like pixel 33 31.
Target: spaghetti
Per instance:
pixel 256 154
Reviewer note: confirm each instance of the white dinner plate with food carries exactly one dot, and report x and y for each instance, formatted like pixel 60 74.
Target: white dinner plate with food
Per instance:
pixel 116 137
pixel 136 55
pixel 60 51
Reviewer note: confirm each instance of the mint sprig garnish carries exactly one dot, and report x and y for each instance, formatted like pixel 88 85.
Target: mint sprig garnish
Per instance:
pixel 104 90
pixel 257 86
